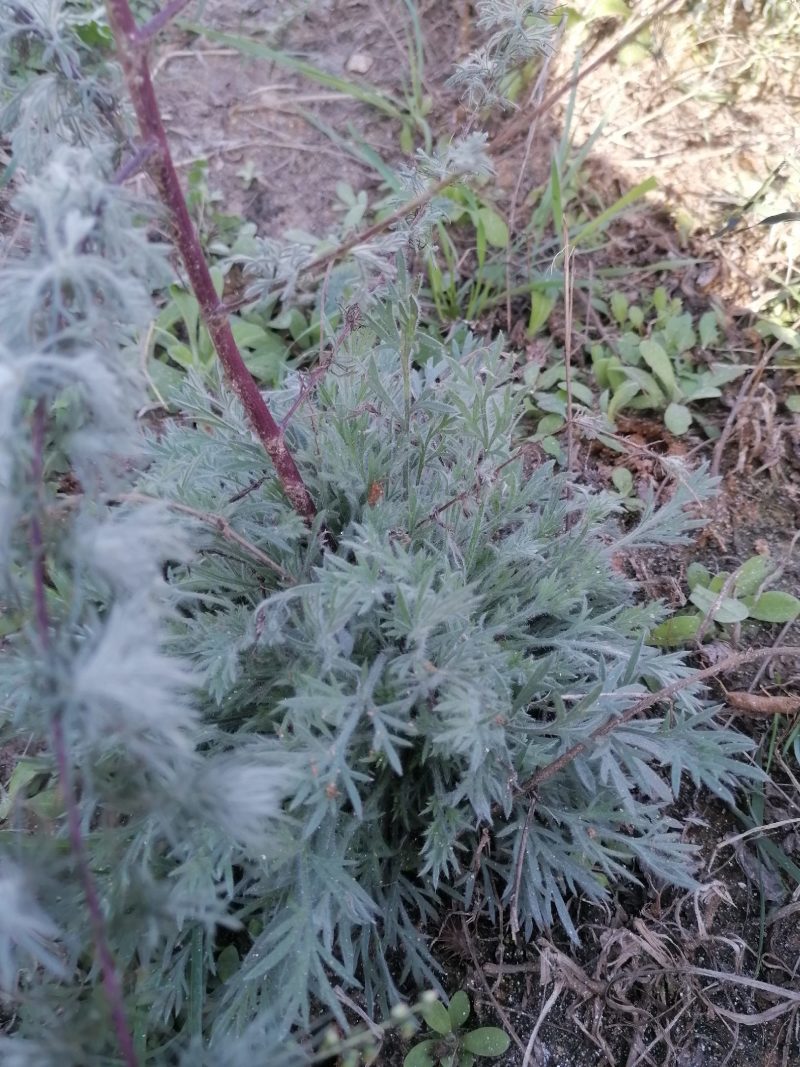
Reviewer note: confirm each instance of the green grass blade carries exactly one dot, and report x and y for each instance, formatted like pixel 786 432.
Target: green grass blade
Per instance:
pixel 247 46
pixel 555 196
pixel 354 145
pixel 616 208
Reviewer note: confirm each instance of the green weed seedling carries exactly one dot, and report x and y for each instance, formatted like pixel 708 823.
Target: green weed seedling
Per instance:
pixel 453 298
pixel 352 204
pixel 650 364
pixel 205 205
pixel 548 402
pixel 728 599
pixel 622 480
pixel 453 1046
pixel 185 342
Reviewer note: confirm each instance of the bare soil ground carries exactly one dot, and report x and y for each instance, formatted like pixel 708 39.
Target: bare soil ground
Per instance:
pixel 234 112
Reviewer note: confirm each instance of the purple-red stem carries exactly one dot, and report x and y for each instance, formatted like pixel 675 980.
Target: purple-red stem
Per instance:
pixel 112 985
pixel 132 55
pixel 168 12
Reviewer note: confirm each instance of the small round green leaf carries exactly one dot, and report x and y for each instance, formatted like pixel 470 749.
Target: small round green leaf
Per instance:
pixel 549 424
pixel 435 1015
pixel 488 1041
pixel 619 307
pixel 727 611
pixel 551 446
pixel 775 606
pixel 227 963
pixel 751 574
pixel 494 226
pixel 623 480
pixel 697 574
pixel 709 332
pixel 458 1009
pixel 675 631
pixel 421 1055
pixel 677 419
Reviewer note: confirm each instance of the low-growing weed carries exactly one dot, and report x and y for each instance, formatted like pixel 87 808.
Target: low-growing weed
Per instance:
pixel 650 364
pixel 728 599
pixel 455 296
pixel 453 1046
pixel 182 340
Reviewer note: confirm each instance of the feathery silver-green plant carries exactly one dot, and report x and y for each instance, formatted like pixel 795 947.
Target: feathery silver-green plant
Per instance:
pixel 518 30
pixel 257 759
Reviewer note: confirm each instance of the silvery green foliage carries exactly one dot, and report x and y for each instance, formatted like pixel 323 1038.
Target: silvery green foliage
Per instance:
pixel 467 626
pixel 66 306
pixel 53 90
pixel 26 931
pixel 465 157
pixel 283 784
pixel 169 807
pixel 517 31
pixel 274 267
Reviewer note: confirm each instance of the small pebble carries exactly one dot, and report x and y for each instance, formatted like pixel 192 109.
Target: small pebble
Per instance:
pixel 359 63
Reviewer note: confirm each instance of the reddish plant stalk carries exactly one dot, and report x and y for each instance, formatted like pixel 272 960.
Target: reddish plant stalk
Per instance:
pixel 132 55
pixel 112 985
pixel 157 23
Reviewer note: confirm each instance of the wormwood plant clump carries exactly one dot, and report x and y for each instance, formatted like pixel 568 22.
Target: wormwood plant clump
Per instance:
pixel 266 744
pixel 292 748
pixel 462 628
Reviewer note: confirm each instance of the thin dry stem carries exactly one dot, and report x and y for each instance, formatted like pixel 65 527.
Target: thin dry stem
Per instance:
pixel 748 385
pixel 498 1007
pixel 739 659
pixel 410 207
pixel 547 1007
pixel 568 309
pixel 513 919
pixel 541 81
pixel 220 524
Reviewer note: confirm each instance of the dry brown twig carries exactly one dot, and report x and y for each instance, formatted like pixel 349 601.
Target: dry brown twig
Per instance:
pixel 706 621
pixel 217 522
pixel 521 853
pixel 547 1007
pixel 207 518
pixel 791 997
pixel 738 659
pixel 498 1007
pixel 747 389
